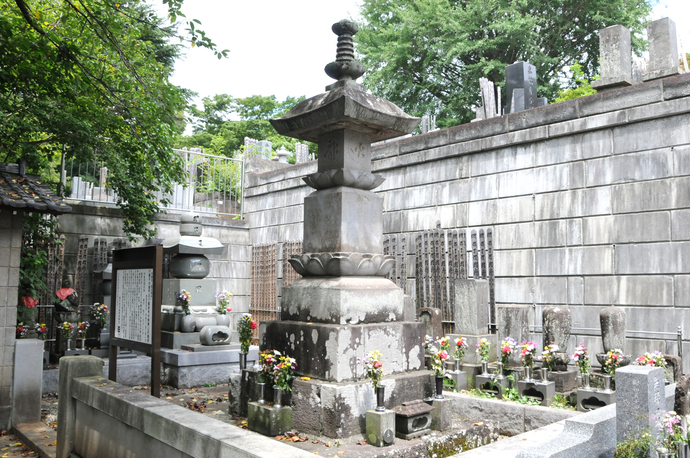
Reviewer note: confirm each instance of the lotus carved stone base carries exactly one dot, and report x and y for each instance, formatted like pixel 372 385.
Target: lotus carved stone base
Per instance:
pixel 342 264
pixel 341 177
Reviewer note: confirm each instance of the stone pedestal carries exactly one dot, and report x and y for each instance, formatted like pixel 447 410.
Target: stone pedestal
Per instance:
pixel 329 352
pixel 663 50
pixel 590 399
pixel 186 369
pixel 380 428
pixel 268 420
pixel 565 380
pixel 339 409
pixel 472 371
pixel 342 300
pixel 490 384
pixel 460 379
pixel 203 292
pixel 441 416
pixel 615 62
pixel 543 392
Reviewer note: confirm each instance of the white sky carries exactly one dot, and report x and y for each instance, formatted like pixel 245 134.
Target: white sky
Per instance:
pixel 280 47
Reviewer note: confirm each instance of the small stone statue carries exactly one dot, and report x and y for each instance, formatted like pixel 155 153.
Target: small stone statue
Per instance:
pixel 68 299
pixel 612 321
pixel 557 322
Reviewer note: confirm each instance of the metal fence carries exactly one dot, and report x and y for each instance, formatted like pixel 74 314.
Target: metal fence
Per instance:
pixel 215 184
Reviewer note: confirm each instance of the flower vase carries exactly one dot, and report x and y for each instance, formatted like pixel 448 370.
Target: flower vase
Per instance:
pixel 544 375
pixel 665 453
pixel 81 341
pixel 499 369
pixel 485 367
pixel 262 393
pixel 243 361
pixel 187 323
pixel 528 374
pixel 585 381
pixel 380 396
pixel 277 397
pixel 439 387
pixel 223 320
pixel 607 383
pixel 69 345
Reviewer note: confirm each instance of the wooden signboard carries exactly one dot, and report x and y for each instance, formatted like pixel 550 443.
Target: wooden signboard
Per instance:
pixel 135 315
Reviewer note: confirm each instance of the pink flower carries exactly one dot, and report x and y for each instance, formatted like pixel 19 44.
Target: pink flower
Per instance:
pixel 378 364
pixel 443 354
pixel 252 324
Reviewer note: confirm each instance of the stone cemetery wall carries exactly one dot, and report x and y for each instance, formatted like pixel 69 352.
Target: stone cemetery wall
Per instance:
pixel 231 269
pixel 588 201
pixel 10 251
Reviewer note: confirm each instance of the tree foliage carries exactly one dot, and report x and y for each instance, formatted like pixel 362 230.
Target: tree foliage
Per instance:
pixel 427 55
pixel 90 77
pixel 579 86
pixel 223 122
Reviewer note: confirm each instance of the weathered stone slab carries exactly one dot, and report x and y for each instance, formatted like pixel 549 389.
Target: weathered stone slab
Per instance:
pixel 442 415
pixel 663 49
pixel 27 380
pixel 380 429
pixel 616 58
pixel 471 306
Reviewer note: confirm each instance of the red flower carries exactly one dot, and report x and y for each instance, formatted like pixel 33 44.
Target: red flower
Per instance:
pixel 252 325
pixel 29 301
pixel 378 364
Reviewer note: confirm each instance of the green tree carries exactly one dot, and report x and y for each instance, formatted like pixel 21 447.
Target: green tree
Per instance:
pixel 91 77
pixel 427 55
pixel 579 86
pixel 223 122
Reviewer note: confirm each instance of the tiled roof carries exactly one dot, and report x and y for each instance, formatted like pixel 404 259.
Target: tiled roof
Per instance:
pixel 20 191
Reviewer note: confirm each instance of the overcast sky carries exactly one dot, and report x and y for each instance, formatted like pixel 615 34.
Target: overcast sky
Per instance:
pixel 280 47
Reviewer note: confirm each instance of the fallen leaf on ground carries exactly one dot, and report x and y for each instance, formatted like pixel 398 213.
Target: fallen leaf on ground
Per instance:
pixel 341 452
pixel 479 423
pixel 302 439
pixel 362 442
pixel 279 438
pixel 306 379
pixel 314 442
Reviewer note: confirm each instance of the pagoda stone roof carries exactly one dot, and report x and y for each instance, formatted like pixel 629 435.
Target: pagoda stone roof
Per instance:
pixel 24 192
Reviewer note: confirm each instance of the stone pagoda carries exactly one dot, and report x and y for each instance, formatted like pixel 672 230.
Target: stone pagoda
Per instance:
pixel 344 307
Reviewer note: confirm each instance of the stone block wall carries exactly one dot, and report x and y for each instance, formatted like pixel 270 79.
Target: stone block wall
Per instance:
pixel 10 252
pixel 589 201
pixel 231 269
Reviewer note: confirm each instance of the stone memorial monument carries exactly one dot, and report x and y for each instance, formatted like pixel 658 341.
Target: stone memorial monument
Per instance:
pixel 615 59
pixel 344 307
pixel 612 321
pixel 521 88
pixel 188 267
pixel 557 322
pixel 663 50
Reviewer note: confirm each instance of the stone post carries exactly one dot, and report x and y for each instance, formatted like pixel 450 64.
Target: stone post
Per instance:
pixel 663 50
pixel 72 367
pixel 472 317
pixel 28 381
pixel 513 321
pixel 615 58
pixel 640 400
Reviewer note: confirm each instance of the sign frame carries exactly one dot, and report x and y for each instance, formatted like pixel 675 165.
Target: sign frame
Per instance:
pixel 148 257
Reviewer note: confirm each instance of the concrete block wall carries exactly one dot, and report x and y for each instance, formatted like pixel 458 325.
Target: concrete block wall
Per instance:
pixel 10 252
pixel 231 268
pixel 589 201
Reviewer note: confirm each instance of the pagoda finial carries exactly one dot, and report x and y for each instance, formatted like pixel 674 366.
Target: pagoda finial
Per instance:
pixel 345 66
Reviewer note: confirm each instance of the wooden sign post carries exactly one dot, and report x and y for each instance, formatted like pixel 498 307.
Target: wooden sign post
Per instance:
pixel 135 315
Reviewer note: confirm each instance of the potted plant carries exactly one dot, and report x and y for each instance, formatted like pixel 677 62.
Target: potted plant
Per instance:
pixel 245 326
pixel 374 370
pixel 527 352
pixel 283 373
pixel 483 347
pixel 581 359
pixel 223 298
